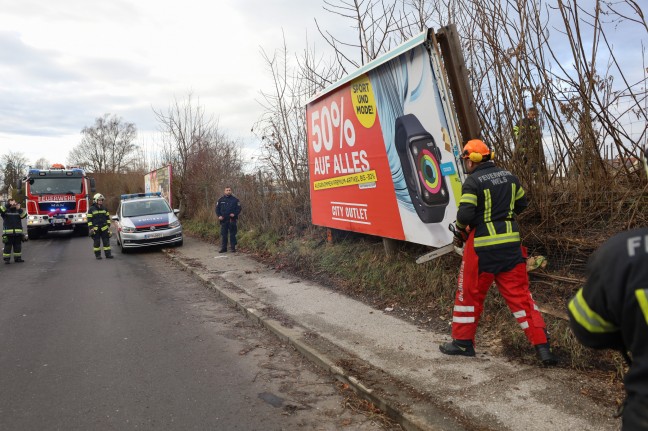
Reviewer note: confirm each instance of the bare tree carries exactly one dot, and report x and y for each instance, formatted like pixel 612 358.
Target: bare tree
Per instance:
pixel 192 140
pixel 42 163
pixel 13 166
pixel 106 147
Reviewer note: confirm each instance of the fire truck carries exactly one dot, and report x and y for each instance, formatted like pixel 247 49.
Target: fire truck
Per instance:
pixel 57 199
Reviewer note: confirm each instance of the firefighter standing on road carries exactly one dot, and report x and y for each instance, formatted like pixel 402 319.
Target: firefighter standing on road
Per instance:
pixel 228 209
pixel 12 231
pixel 99 224
pixel 490 199
pixel 611 312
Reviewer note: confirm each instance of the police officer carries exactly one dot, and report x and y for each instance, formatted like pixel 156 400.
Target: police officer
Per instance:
pixel 490 199
pixel 12 232
pixel 611 312
pixel 228 209
pixel 99 224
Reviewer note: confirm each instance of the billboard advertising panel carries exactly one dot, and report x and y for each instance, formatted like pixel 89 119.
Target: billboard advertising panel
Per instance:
pixel 159 180
pixel 383 149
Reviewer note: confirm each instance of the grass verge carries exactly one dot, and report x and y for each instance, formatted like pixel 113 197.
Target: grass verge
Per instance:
pixel 357 266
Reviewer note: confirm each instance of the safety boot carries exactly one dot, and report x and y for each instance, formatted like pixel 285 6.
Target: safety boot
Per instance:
pixel 545 355
pixel 109 256
pixel 458 347
pixel 18 259
pixel 6 260
pixel 98 256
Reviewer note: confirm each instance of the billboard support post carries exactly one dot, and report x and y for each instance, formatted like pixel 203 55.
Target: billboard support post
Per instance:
pixel 455 66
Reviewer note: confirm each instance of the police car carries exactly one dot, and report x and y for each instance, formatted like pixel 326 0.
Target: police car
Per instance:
pixel 146 219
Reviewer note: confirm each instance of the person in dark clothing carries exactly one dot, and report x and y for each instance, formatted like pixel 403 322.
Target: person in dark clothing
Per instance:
pixel 490 199
pixel 611 312
pixel 99 224
pixel 228 209
pixel 528 145
pixel 12 231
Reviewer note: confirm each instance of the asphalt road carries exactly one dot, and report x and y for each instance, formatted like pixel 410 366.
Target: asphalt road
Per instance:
pixel 135 343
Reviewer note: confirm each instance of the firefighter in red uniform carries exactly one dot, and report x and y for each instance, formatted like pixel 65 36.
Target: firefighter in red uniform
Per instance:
pixel 12 231
pixel 490 199
pixel 99 224
pixel 611 312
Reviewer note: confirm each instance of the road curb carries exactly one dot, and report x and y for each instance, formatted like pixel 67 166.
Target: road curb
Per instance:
pixel 295 335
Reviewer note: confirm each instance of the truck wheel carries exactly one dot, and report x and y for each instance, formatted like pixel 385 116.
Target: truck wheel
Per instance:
pixel 34 233
pixel 81 230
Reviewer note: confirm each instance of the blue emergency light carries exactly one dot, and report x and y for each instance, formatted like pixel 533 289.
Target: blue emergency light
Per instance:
pixel 141 195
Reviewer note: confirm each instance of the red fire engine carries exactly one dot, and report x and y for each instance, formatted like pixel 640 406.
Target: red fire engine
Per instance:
pixel 57 199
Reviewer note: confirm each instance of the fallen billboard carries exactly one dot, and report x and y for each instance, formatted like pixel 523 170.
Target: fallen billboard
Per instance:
pixel 383 149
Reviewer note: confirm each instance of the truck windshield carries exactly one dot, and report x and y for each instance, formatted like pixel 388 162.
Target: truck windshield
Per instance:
pixel 55 186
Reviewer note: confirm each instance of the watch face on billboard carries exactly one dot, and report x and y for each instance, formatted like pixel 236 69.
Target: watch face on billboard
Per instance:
pixel 421 159
pixel 431 187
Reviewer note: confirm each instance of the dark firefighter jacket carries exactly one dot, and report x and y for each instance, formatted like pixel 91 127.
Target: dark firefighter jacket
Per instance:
pixel 490 199
pixel 12 220
pixel 227 205
pixel 98 217
pixel 611 310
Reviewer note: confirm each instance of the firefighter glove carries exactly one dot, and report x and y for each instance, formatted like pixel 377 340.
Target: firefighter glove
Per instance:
pixel 462 233
pixel 25 238
pixel 109 234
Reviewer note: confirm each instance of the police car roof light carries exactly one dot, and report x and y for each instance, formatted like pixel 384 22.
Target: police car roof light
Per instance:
pixel 141 195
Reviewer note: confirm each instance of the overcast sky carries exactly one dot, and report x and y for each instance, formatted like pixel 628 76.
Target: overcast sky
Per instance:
pixel 64 63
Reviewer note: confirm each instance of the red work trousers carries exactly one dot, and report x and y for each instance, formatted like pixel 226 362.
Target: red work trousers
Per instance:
pixel 513 285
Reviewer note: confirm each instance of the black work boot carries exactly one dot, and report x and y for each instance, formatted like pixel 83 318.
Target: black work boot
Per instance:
pixel 233 249
pixel 7 262
pixel 18 260
pixel 98 256
pixel 545 355
pixel 223 250
pixel 109 256
pixel 458 347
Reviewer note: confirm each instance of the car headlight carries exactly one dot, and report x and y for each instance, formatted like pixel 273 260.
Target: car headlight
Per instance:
pixel 128 229
pixel 174 223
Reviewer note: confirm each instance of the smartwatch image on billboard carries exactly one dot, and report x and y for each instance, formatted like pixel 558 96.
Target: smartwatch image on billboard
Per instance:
pixel 421 159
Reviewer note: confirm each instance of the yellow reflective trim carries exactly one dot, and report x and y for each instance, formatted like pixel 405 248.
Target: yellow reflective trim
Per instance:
pixel 488 203
pixel 488 207
pixel 642 297
pixel 509 226
pixel 468 198
pixel 588 318
pixel 520 194
pixel 501 238
pixel 460 225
